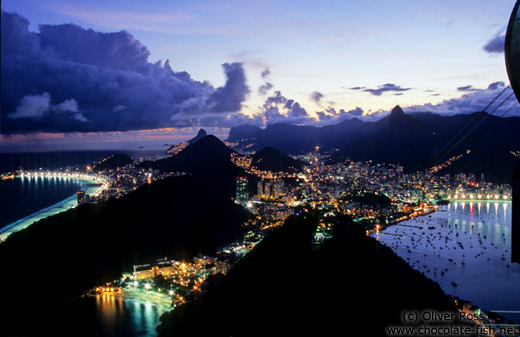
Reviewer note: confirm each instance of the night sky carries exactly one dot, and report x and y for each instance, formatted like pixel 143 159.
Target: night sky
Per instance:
pixel 108 73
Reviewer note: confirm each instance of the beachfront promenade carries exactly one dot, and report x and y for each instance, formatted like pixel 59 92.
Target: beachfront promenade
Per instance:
pixel 94 184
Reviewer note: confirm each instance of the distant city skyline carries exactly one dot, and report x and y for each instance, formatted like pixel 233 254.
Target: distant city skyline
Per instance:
pixel 105 79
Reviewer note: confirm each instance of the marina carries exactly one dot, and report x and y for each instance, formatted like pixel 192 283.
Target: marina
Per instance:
pixel 466 248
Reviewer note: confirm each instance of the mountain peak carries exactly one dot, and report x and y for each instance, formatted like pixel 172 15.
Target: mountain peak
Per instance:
pixel 211 141
pixel 401 122
pixel 203 152
pixel 201 134
pixel 397 111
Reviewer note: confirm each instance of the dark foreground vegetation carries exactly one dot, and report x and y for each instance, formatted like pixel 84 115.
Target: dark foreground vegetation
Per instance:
pixel 350 286
pixel 369 198
pixel 64 255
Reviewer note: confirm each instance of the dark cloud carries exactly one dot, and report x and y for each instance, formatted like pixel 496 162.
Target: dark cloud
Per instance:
pixel 433 93
pixel 495 45
pixel 496 85
pixel 388 87
pixel 466 88
pixel 229 98
pixel 316 97
pixel 278 108
pixel 333 116
pixel 38 106
pixel 263 89
pixel 67 78
pixel 471 102
pixel 354 112
pixel 265 73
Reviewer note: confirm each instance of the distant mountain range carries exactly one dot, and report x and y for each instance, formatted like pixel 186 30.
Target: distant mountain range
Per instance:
pixel 416 141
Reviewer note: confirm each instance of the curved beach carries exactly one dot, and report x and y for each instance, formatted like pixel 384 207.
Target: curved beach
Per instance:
pixel 92 187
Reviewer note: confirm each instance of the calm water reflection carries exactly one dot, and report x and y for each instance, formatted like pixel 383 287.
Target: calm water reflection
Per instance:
pixel 21 197
pixel 467 244
pixel 114 315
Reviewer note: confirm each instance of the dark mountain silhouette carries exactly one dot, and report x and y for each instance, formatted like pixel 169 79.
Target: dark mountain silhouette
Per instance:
pixel 201 134
pixel 293 139
pixel 416 141
pixel 285 287
pixel 423 140
pixel 76 250
pixel 270 159
pixel 242 132
pixel 113 162
pixel 209 160
pixel 397 138
pixel 204 151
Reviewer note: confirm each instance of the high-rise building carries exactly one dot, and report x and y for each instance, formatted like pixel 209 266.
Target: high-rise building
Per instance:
pixel 242 193
pixel 81 196
pixel 261 187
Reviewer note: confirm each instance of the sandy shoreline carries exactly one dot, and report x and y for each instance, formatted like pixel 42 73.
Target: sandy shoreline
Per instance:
pixel 92 187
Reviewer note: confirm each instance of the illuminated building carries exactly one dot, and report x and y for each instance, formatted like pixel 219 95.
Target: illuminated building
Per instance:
pixel 261 187
pixel 242 193
pixel 81 196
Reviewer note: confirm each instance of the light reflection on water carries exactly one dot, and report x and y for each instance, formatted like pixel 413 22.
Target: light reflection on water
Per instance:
pixel 129 315
pixel 468 244
pixel 111 314
pixel 20 197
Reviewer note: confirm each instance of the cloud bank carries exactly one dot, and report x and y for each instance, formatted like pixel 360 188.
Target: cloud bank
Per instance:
pixel 264 88
pixel 474 101
pixel 280 109
pixel 67 78
pixel 495 45
pixel 387 87
pixel 316 97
